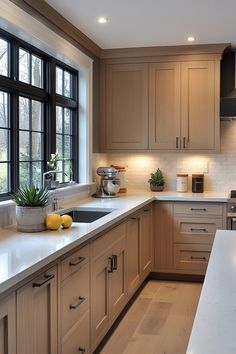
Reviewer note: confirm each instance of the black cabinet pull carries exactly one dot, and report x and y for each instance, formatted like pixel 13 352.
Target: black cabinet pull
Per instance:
pixel 198 258
pixel 177 142
pixel 203 230
pixel 79 260
pixel 198 209
pixel 45 279
pixel 111 265
pixel 77 303
pixel 114 256
pixel 81 350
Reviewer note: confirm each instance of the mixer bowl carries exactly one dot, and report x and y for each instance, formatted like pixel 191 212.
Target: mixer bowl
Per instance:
pixel 111 186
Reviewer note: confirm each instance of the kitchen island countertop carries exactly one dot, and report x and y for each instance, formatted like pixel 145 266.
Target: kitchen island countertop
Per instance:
pixel 22 254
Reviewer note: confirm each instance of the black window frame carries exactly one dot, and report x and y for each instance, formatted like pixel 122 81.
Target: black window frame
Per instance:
pixel 47 95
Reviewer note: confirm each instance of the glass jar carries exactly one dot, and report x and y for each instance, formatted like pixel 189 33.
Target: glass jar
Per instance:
pixel 181 183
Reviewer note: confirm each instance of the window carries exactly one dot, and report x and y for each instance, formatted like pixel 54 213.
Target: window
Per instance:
pixel 38 115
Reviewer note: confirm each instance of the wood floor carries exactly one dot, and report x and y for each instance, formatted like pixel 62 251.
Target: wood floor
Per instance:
pixel 159 321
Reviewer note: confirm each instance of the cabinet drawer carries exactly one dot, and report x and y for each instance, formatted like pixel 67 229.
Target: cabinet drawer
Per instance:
pixel 101 244
pixel 198 209
pixel 74 298
pixel 191 258
pixel 78 340
pixel 196 230
pixel 74 262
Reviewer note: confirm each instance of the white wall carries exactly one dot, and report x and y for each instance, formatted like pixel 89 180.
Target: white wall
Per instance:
pixel 221 174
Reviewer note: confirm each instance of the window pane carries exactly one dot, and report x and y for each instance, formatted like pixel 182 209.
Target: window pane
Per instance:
pixel 24 146
pixel 36 146
pixel 37 173
pixel 67 84
pixel 36 115
pixel 4 176
pixel 59 168
pixel 4 136
pixel 4 58
pixel 36 78
pixel 67 121
pixel 59 75
pixel 24 66
pixel 59 119
pixel 24 174
pixel 68 171
pixel 59 145
pixel 4 121
pixel 24 113
pixel 67 146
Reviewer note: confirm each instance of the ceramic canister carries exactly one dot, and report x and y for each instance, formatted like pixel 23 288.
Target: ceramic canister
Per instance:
pixel 181 183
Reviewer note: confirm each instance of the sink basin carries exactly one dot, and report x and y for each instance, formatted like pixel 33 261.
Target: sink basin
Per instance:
pixel 86 215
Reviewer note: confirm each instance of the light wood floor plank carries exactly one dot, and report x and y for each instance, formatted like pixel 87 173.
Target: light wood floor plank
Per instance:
pixel 158 322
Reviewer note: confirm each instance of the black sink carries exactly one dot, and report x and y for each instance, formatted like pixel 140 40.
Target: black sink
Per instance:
pixel 86 216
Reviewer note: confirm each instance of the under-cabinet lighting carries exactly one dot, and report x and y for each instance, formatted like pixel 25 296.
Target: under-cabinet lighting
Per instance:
pixel 191 39
pixel 102 19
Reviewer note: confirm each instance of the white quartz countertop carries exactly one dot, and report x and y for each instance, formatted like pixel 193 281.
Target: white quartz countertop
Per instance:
pixel 213 330
pixel 22 254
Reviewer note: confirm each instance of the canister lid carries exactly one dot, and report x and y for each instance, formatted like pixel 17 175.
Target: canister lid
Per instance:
pixel 182 175
pixel 200 176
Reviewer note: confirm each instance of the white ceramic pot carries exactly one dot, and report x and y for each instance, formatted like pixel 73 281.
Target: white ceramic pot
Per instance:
pixel 30 219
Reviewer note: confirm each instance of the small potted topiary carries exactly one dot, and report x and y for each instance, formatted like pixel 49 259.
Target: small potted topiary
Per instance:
pixel 157 181
pixel 31 208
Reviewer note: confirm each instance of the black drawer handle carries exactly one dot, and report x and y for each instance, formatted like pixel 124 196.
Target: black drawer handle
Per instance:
pixel 146 210
pixel 203 230
pixel 198 209
pixel 114 256
pixel 135 218
pixel 81 350
pixel 198 258
pixel 111 260
pixel 79 260
pixel 77 303
pixel 46 278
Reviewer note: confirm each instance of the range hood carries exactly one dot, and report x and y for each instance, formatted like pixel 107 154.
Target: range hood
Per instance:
pixel 227 87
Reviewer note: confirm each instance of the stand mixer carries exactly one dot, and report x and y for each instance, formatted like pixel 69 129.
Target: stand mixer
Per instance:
pixel 109 183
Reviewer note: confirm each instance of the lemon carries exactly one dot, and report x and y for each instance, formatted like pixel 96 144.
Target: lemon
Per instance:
pixel 53 221
pixel 66 221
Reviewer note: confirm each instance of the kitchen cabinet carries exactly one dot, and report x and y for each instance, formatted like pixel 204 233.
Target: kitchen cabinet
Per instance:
pixel 139 248
pixel 163 102
pixel 75 302
pixel 109 285
pixel 37 315
pixel 184 234
pixel 8 325
pixel 126 106
pixel 183 106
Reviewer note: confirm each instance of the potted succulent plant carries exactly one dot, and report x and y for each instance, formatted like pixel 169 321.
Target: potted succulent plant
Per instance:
pixel 157 181
pixel 31 208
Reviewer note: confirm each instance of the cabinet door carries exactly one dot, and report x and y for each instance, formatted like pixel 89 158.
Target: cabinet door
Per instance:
pixel 163 237
pixel 133 256
pixel 8 325
pixel 126 103
pixel 99 298
pixel 146 249
pixel 199 106
pixel 117 279
pixel 37 315
pixel 164 106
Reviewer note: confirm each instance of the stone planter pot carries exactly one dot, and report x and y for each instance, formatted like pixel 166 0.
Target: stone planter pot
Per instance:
pixel 156 188
pixel 30 219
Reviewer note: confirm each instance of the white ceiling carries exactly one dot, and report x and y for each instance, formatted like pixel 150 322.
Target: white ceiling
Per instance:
pixel 141 23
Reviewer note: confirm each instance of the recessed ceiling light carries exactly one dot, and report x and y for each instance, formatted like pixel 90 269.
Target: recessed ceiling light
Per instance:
pixel 191 39
pixel 102 19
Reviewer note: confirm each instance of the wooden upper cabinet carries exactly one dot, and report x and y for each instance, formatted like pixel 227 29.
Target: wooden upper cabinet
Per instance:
pixel 126 106
pixel 199 106
pixel 164 106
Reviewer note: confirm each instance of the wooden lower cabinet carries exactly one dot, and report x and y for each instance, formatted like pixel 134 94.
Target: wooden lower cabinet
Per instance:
pixel 37 315
pixel 109 288
pixel 78 340
pixel 133 254
pixel 191 258
pixel 8 325
pixel 146 244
